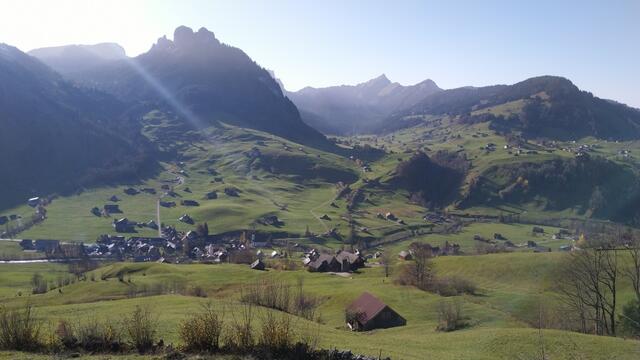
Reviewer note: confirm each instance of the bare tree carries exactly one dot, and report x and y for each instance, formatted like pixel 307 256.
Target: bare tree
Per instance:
pixel 589 288
pixel 632 272
pixel 385 259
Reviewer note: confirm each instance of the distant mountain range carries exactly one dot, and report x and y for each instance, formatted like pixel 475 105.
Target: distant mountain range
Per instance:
pixel 359 108
pixel 546 106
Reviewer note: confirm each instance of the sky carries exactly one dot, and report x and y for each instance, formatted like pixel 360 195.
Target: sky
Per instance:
pixel 596 44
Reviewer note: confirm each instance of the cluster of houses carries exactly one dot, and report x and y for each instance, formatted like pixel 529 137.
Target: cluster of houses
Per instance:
pixel 446 250
pixel 341 261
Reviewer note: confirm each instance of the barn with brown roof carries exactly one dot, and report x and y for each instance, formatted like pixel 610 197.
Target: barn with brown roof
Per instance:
pixel 368 312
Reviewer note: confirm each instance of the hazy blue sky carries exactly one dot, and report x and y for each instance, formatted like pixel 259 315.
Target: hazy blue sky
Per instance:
pixel 319 43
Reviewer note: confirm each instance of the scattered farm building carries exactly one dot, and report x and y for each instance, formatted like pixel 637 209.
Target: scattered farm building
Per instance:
pixel 368 312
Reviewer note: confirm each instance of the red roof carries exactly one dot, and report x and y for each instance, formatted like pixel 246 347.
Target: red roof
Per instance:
pixel 368 305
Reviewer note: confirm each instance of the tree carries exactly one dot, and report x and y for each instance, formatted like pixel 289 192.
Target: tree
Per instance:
pixel 422 267
pixel 630 318
pixel 589 288
pixel 632 272
pixel 385 260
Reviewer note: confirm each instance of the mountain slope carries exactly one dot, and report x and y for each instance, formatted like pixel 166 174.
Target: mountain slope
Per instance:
pixel 205 81
pixel 54 136
pixel 72 60
pixel 545 106
pixel 360 108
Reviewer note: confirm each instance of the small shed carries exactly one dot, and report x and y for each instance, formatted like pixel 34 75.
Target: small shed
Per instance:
pixel 405 255
pixel 258 265
pixel 368 312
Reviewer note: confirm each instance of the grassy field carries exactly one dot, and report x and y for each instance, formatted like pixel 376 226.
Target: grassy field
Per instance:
pixel 510 286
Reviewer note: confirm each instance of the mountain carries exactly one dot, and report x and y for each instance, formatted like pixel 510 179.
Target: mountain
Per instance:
pixel 546 106
pixel 72 60
pixel 360 108
pixel 55 136
pixel 205 82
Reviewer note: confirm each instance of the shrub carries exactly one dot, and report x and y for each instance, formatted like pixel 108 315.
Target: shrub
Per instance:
pixel 450 316
pixel 141 328
pixel 94 336
pixel 20 329
pixel 39 285
pixel 239 336
pixel 197 291
pixel 202 331
pixel 276 334
pixel 630 318
pixel 452 286
pixel 280 295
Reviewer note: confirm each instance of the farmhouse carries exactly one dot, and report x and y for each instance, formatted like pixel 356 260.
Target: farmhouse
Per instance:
pixel 167 204
pixel 122 225
pixel 343 261
pixel 189 203
pixel 405 255
pixel 368 312
pixel 212 195
pixel 26 244
pixel 186 219
pixel 34 201
pixel 257 265
pixel 131 191
pixel 112 209
pixel 46 245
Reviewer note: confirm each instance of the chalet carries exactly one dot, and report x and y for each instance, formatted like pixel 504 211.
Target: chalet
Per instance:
pixel 95 211
pixel 123 225
pixel 325 217
pixel 405 255
pixel 212 195
pixel 186 219
pixel 112 209
pixel 231 191
pixel 27 244
pixel 114 198
pixel 131 191
pixel 167 204
pixel 343 261
pixel 151 191
pixel 34 201
pixel 537 230
pixel 189 203
pixel 324 263
pixel 354 260
pixel 258 265
pixel 46 245
pixel 272 220
pixel 368 312
pixel 4 220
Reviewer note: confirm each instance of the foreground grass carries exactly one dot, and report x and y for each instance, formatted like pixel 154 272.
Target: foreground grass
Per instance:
pixel 509 286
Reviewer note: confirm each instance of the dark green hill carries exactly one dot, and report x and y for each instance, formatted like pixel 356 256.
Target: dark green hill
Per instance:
pixel 546 106
pixel 205 81
pixel 54 136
